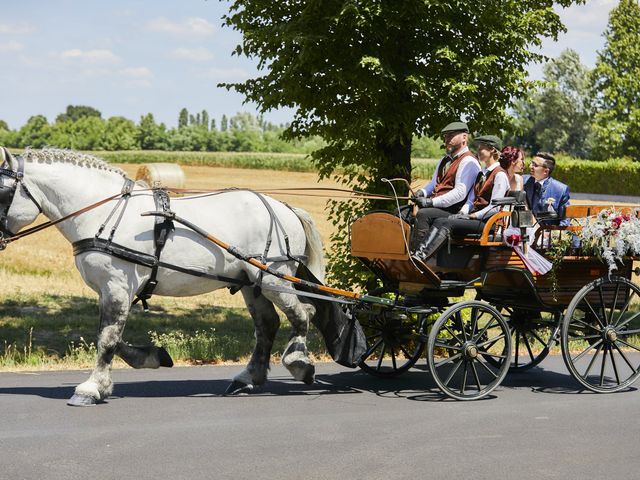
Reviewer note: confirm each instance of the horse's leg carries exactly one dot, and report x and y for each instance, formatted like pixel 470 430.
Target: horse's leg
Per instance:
pixel 267 322
pixel 295 356
pixel 147 356
pixel 114 308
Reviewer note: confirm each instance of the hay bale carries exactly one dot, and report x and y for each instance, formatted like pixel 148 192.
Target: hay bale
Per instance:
pixel 168 175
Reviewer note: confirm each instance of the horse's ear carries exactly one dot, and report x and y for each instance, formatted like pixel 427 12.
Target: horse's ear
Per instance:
pixel 6 156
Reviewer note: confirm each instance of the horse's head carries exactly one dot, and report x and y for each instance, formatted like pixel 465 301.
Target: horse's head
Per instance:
pixel 18 207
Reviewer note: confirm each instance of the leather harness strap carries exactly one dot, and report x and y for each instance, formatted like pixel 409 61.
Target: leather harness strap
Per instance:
pixel 161 230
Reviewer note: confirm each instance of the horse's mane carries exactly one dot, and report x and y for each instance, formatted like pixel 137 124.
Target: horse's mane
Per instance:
pixel 48 155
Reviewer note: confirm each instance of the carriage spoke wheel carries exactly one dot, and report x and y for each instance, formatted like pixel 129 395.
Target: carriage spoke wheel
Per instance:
pixel 469 350
pixel 532 336
pixel 601 335
pixel 393 340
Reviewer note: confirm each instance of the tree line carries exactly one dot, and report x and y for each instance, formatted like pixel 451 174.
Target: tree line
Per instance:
pixel 82 127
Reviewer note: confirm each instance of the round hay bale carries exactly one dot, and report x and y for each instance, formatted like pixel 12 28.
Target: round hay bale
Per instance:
pixel 168 175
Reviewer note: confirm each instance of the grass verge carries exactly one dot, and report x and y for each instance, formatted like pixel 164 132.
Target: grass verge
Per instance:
pixel 193 334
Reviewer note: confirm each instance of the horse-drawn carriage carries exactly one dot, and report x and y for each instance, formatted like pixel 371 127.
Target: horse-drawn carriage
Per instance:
pixel 515 317
pixel 134 242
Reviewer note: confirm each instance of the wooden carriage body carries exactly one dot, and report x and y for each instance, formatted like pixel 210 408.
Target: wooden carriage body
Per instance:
pixel 484 262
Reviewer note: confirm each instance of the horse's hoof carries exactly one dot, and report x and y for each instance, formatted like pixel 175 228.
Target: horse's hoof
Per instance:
pixel 164 358
pixel 303 371
pixel 239 388
pixel 82 401
pixel 310 376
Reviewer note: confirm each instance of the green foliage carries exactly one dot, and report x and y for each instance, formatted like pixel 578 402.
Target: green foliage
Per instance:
pixel 614 176
pixel 616 78
pixel 367 76
pixel 557 116
pixel 151 136
pixel 76 112
pixel 183 118
pixel 34 133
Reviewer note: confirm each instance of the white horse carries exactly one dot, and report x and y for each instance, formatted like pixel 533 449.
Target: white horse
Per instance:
pixel 59 182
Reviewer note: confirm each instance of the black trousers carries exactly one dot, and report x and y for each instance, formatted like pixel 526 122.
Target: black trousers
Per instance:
pixel 460 226
pixel 424 220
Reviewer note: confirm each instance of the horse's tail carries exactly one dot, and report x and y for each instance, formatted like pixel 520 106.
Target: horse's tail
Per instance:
pixel 313 250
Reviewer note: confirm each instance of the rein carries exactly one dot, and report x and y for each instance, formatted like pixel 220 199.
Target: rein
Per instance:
pixel 128 189
pixel 5 241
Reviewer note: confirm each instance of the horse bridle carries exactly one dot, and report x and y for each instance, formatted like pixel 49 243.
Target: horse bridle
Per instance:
pixel 8 192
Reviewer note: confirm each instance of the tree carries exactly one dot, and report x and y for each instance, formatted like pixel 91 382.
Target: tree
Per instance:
pixel 119 134
pixel 4 125
pixel 150 135
pixel 616 79
pixel 557 117
pixel 76 112
pixel 204 119
pixel 368 75
pixel 183 118
pixel 223 123
pixel 35 133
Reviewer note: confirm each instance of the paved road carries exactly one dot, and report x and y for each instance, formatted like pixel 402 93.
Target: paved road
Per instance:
pixel 173 424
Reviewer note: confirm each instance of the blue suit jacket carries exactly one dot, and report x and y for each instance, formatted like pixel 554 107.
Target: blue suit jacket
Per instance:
pixel 551 189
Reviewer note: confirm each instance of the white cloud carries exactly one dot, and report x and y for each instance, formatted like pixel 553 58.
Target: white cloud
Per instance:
pixel 225 74
pixel 192 54
pixel 194 27
pixel 11 47
pixel 137 72
pixel 137 76
pixel 91 56
pixel 16 28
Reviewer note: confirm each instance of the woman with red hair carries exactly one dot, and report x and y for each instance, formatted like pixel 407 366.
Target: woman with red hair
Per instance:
pixel 512 160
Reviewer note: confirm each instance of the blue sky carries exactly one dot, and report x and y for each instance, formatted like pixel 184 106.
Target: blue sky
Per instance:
pixel 132 57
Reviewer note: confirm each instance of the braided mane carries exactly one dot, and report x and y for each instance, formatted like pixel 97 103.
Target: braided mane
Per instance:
pixel 50 155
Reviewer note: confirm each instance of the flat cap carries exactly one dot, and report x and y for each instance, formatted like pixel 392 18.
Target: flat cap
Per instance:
pixel 455 127
pixel 490 140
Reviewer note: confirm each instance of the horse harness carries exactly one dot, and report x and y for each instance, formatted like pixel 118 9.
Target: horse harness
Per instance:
pixel 162 229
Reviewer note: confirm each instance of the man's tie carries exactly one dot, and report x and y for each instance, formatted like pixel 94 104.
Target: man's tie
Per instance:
pixel 537 190
pixel 446 163
pixel 480 179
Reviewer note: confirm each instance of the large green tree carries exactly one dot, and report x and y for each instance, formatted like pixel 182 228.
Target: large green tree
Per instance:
pixel 366 75
pixel 557 116
pixel 76 112
pixel 616 79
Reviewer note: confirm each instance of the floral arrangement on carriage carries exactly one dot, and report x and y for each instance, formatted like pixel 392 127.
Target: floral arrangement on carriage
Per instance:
pixel 611 236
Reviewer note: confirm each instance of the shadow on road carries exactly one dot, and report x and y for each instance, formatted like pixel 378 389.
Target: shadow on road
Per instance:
pixel 416 385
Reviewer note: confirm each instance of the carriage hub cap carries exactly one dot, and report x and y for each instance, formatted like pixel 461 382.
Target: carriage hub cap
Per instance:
pixel 470 351
pixel 610 334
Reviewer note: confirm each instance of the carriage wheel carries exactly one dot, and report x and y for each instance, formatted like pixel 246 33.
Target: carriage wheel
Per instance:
pixel 532 336
pixel 393 339
pixel 469 350
pixel 601 335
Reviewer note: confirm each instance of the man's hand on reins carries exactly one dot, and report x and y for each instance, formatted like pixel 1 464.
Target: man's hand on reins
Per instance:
pixel 421 200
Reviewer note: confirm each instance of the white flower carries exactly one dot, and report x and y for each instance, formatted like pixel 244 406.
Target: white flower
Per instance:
pixel 550 201
pixel 612 236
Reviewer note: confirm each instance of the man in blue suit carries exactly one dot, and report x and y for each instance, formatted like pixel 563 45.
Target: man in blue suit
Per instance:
pixel 545 194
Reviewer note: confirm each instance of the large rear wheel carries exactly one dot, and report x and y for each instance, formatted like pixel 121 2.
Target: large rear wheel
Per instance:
pixel 601 335
pixel 469 350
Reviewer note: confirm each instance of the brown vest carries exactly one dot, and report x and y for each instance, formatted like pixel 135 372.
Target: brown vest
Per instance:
pixel 483 193
pixel 446 181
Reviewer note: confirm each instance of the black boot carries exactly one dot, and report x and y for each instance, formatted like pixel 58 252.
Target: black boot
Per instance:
pixel 437 237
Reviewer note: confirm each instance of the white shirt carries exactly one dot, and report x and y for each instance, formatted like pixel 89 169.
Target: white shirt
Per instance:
pixel 500 189
pixel 465 178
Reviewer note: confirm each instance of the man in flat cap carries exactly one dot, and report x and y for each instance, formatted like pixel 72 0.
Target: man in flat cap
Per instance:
pixel 450 185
